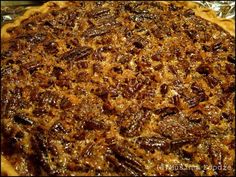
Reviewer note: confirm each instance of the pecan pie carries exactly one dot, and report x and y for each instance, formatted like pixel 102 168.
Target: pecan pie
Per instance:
pixel 118 88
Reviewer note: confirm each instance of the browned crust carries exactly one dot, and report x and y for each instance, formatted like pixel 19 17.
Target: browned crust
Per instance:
pixel 6 168
pixel 30 12
pixel 209 15
pixel 227 24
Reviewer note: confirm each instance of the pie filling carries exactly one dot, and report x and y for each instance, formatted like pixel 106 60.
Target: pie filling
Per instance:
pixel 118 88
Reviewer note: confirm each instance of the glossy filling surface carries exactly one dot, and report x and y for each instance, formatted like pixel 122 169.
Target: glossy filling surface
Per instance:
pixel 118 88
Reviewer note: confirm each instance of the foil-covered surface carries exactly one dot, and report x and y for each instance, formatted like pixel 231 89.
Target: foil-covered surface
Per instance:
pixel 223 9
pixel 11 9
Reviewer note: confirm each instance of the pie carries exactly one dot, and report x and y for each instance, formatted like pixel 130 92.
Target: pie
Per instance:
pixel 118 89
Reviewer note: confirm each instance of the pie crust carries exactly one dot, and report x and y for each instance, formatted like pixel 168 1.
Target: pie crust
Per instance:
pixel 208 14
pixel 227 24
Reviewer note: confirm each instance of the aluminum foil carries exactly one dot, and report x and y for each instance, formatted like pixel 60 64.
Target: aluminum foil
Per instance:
pixel 11 9
pixel 223 9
